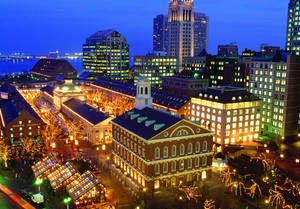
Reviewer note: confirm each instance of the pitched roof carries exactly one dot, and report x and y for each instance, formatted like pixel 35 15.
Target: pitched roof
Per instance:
pixel 86 111
pixel 44 165
pixel 227 94
pixel 52 68
pixel 14 105
pixel 147 122
pixel 159 97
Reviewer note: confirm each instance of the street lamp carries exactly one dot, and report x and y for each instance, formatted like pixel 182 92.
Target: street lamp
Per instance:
pixel 38 182
pixel 67 201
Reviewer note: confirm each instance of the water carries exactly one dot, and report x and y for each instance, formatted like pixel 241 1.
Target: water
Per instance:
pixel 26 65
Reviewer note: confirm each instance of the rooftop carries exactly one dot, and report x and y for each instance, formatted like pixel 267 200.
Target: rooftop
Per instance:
pixel 12 107
pixel 159 97
pixel 227 94
pixel 147 122
pixel 86 111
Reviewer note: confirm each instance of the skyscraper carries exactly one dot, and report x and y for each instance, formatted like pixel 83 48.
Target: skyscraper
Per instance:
pixel 293 34
pixel 201 33
pixel 181 29
pixel 106 53
pixel 160 33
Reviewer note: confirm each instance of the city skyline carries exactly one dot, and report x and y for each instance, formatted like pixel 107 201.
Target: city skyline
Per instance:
pixel 64 26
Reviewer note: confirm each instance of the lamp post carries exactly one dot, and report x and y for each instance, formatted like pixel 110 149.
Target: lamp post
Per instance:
pixel 67 201
pixel 38 182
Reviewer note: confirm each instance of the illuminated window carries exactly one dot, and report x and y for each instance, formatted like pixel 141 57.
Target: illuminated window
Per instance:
pixel 181 165
pixel 173 166
pixel 157 153
pixel 181 149
pixel 165 168
pixel 156 169
pixel 166 152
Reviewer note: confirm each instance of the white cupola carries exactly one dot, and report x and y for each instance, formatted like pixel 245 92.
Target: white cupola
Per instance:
pixel 143 95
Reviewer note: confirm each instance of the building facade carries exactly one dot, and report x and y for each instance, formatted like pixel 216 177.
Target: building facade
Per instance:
pixel 293 34
pixel 276 81
pixel 106 53
pixel 160 33
pixel 201 30
pixel 233 114
pixel 194 63
pixel 157 150
pixel 181 29
pixel 226 71
pixel 18 119
pixel 185 85
pixel 154 68
pixel 230 50
pixel 70 100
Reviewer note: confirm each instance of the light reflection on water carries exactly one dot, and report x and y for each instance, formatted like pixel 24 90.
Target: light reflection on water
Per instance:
pixel 26 65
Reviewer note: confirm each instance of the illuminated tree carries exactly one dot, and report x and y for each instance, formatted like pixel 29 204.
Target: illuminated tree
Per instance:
pixel 28 145
pixel 5 153
pixel 209 204
pixel 50 134
pixel 276 198
pixel 191 192
pixel 254 190
pixel 237 187
pixel 226 176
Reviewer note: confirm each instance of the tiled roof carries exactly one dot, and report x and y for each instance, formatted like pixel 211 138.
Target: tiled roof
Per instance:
pixel 147 122
pixel 159 97
pixel 227 94
pixel 86 111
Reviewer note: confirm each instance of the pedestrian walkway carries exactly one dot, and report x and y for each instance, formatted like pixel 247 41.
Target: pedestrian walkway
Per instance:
pixel 16 198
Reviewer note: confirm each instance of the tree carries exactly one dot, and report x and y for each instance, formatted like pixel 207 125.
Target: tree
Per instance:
pixel 238 187
pixel 29 145
pixel 209 204
pixel 254 190
pixel 276 198
pixel 5 153
pixel 50 133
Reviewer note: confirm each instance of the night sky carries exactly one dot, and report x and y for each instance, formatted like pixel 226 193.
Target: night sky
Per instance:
pixel 40 26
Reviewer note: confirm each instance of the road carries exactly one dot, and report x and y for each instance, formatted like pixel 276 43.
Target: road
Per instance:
pixel 5 203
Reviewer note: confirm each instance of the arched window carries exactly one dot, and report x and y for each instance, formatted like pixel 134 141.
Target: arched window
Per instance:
pixel 190 163
pixel 205 146
pixel 182 132
pixel 204 161
pixel 181 149
pixel 156 169
pixel 165 168
pixel 197 162
pixel 157 153
pixel 166 152
pixel 146 90
pixel 197 148
pixel 142 90
pixel 173 166
pixel 181 165
pixel 174 150
pixel 190 148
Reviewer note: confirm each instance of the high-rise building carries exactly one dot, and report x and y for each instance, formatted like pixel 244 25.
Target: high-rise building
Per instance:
pixel 181 29
pixel 293 34
pixel 106 53
pixel 269 51
pixel 276 81
pixel 226 71
pixel 160 33
pixel 230 50
pixel 233 114
pixel 154 68
pixel 201 33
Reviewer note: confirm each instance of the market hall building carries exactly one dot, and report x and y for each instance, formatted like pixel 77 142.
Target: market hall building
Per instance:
pixel 155 149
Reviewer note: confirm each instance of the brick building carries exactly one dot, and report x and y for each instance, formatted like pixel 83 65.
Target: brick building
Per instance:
pixel 157 150
pixel 18 119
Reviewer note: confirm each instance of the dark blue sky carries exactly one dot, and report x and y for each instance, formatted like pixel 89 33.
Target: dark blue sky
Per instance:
pixel 39 26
